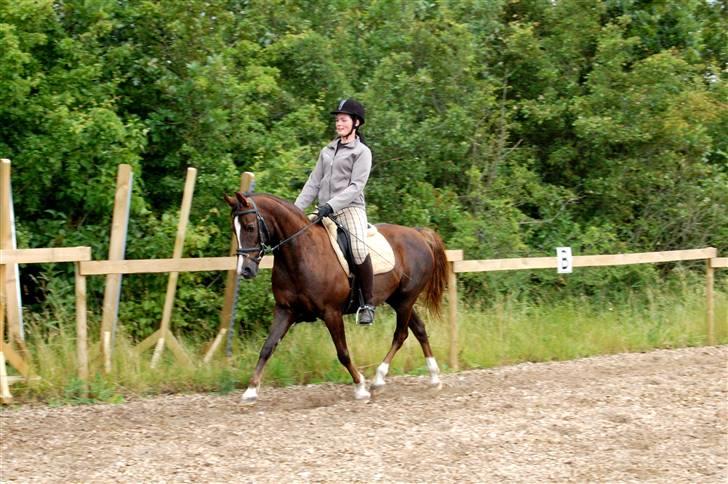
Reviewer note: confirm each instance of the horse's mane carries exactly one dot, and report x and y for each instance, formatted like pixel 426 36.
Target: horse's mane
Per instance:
pixel 280 201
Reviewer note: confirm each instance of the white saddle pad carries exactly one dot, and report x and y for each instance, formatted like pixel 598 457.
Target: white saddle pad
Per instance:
pixel 379 249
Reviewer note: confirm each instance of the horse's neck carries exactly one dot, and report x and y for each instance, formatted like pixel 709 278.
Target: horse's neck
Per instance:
pixel 286 224
pixel 297 254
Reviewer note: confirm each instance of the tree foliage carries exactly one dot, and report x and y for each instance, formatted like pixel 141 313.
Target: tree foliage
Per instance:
pixel 511 127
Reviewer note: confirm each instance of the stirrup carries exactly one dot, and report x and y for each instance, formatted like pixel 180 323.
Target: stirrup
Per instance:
pixel 365 315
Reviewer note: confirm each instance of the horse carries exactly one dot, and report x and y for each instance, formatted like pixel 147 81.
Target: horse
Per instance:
pixel 309 283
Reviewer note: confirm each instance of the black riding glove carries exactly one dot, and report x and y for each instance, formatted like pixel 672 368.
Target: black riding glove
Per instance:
pixel 324 210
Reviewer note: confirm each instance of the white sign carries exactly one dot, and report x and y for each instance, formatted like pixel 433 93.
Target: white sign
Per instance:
pixel 563 260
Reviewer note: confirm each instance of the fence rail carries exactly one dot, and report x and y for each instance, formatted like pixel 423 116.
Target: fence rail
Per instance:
pixel 584 260
pixel 44 256
pixel 193 264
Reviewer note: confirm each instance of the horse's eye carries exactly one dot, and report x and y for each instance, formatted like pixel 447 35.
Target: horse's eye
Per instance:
pixel 250 228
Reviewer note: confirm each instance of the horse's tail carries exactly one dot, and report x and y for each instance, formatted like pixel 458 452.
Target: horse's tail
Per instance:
pixel 440 273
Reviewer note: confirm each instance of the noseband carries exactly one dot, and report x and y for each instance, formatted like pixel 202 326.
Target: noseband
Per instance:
pixel 263 234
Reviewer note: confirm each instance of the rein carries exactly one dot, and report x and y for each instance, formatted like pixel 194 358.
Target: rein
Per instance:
pixel 299 232
pixel 263 248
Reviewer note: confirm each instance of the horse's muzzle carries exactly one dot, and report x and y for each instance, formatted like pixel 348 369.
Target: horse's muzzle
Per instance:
pixel 247 268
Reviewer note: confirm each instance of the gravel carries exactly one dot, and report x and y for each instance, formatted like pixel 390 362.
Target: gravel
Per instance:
pixel 660 416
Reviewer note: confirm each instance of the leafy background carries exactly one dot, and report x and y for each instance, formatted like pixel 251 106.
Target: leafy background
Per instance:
pixel 511 127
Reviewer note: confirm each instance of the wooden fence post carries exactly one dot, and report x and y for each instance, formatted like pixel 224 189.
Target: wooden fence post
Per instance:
pixel 452 299
pixel 452 302
pixel 9 280
pixel 247 181
pixel 5 396
pixel 717 263
pixel 164 334
pixel 117 246
pixel 9 292
pixel 709 286
pixel 81 328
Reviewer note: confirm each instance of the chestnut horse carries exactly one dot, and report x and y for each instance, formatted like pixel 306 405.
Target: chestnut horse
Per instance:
pixel 308 281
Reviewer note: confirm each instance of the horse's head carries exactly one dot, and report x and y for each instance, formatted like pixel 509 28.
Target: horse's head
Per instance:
pixel 250 232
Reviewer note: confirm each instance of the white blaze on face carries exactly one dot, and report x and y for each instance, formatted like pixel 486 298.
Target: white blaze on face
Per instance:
pixel 236 224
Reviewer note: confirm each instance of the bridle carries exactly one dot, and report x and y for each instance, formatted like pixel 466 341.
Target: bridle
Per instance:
pixel 263 234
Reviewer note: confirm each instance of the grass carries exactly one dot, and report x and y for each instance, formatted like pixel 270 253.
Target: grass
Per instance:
pixel 505 332
pixel 511 332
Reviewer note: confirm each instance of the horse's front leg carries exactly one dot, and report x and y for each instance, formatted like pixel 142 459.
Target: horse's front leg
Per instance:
pixel 282 320
pixel 335 325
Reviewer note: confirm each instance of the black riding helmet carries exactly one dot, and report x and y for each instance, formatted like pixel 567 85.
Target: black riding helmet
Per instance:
pixel 352 108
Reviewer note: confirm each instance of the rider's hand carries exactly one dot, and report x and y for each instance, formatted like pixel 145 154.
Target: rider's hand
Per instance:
pixel 324 210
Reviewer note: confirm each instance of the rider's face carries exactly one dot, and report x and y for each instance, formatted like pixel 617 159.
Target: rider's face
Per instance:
pixel 344 124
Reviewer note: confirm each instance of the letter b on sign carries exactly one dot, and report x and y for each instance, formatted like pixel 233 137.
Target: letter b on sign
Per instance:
pixel 563 260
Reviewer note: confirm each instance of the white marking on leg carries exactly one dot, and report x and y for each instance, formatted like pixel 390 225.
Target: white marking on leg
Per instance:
pixel 382 371
pixel 361 392
pixel 434 371
pixel 250 395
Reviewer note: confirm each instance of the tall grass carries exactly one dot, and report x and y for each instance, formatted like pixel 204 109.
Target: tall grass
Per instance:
pixel 506 331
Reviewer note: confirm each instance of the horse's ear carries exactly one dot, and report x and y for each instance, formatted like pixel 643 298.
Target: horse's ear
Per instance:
pixel 230 200
pixel 241 198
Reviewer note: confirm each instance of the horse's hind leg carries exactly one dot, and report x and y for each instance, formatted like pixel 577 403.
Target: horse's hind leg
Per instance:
pixel 418 329
pixel 335 325
pixel 404 314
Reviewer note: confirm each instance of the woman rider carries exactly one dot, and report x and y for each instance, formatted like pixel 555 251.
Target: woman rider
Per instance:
pixel 338 182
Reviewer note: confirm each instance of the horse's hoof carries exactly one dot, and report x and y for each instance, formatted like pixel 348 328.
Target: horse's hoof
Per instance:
pixel 361 392
pixel 375 387
pixel 436 386
pixel 250 396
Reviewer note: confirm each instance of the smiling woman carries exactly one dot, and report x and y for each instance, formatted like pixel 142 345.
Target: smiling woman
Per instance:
pixel 338 182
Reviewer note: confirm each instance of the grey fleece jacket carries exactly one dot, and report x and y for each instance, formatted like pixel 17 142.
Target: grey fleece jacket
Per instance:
pixel 339 176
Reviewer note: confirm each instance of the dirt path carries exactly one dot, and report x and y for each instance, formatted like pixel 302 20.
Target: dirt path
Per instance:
pixel 655 417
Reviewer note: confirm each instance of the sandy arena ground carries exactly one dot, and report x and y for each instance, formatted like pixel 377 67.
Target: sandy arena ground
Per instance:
pixel 654 417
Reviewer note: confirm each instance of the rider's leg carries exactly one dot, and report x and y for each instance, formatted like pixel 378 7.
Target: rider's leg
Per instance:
pixel 365 274
pixel 355 221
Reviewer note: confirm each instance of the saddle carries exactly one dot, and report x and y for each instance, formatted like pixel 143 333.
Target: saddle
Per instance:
pixel 380 251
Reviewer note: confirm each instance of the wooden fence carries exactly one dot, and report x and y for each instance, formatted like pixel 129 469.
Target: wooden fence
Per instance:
pixel 18 358
pixel 530 263
pixel 116 266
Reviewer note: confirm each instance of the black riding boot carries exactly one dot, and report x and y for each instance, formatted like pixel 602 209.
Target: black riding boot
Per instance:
pixel 365 274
